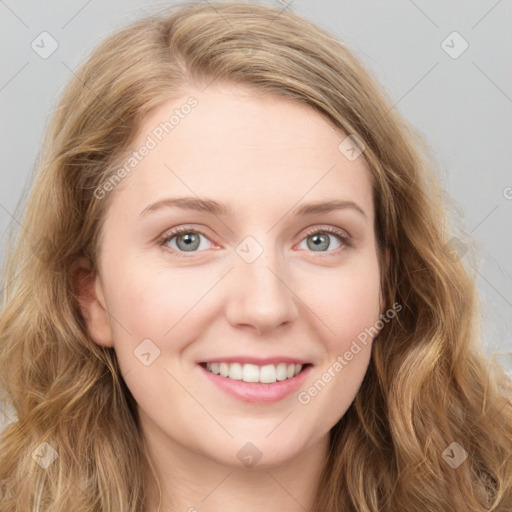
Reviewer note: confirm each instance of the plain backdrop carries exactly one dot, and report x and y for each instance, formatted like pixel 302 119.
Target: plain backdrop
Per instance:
pixel 446 66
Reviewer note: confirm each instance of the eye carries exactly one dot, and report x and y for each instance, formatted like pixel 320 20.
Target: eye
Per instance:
pixel 184 239
pixel 319 239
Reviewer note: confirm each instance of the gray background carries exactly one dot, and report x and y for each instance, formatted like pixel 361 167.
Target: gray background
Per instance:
pixel 462 106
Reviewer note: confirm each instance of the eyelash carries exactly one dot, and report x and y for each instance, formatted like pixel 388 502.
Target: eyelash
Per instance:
pixel 345 239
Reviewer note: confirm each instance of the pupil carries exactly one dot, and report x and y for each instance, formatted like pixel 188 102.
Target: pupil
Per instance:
pixel 190 242
pixel 320 239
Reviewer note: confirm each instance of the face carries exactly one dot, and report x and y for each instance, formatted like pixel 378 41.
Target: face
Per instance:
pixel 260 273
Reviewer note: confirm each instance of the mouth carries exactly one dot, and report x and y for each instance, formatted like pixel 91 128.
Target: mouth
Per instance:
pixel 253 373
pixel 256 384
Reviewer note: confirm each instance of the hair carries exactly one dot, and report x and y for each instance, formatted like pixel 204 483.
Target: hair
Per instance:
pixel 428 383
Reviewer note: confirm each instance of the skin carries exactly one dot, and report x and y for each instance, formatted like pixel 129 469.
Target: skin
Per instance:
pixel 263 156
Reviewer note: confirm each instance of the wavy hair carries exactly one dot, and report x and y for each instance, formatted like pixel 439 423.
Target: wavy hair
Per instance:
pixel 428 383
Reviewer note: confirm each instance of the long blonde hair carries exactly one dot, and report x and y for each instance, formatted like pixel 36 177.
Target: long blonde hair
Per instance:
pixel 428 384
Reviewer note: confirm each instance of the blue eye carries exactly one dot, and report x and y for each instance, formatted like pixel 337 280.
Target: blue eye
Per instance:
pixel 318 240
pixel 187 240
pixel 184 240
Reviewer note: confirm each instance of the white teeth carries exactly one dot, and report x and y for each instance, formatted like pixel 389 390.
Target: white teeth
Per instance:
pixel 282 371
pixel 224 369
pixel 268 373
pixel 252 373
pixel 235 371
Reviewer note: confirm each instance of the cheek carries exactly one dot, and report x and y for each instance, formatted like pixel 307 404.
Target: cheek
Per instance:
pixel 148 301
pixel 157 303
pixel 154 314
pixel 346 300
pixel 348 307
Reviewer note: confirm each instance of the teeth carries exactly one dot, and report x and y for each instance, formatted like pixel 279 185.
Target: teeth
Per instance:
pixel 282 371
pixel 224 369
pixel 252 373
pixel 235 371
pixel 268 373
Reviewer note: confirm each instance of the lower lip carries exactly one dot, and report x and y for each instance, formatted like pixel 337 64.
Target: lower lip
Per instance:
pixel 257 392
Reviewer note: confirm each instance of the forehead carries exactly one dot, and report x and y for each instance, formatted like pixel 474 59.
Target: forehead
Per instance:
pixel 244 149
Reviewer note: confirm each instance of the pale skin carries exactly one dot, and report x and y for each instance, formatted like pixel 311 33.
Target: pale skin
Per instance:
pixel 263 157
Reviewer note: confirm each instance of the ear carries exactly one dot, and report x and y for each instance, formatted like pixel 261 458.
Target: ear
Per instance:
pixel 89 292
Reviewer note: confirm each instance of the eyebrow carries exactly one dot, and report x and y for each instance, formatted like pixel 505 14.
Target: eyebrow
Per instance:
pixel 216 208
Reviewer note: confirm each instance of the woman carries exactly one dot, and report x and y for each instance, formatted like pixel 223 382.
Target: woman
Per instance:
pixel 234 288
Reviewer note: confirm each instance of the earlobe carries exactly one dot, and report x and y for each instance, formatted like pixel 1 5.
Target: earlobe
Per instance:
pixel 91 301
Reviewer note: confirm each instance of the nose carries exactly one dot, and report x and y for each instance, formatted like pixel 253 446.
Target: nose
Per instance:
pixel 261 294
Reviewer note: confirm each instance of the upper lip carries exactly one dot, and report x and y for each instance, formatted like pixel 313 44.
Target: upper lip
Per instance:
pixel 256 360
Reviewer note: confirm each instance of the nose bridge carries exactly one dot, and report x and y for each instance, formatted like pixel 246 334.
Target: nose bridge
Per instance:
pixel 260 296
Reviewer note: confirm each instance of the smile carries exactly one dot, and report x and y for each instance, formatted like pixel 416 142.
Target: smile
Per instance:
pixel 266 374
pixel 257 384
